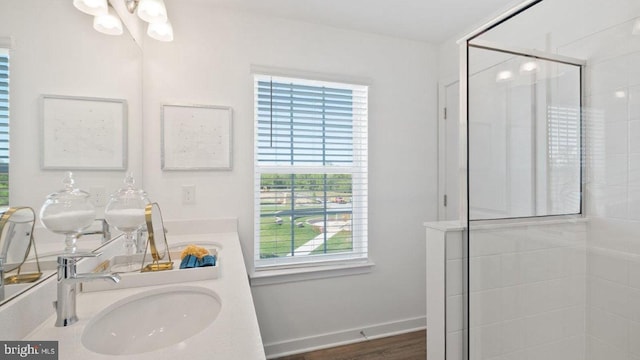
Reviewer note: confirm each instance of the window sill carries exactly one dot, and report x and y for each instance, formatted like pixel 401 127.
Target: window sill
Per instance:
pixel 281 276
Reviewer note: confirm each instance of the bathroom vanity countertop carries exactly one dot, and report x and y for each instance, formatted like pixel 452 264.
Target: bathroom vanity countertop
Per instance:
pixel 233 335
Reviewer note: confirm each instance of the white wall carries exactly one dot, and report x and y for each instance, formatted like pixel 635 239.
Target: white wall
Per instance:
pixel 210 63
pixel 57 52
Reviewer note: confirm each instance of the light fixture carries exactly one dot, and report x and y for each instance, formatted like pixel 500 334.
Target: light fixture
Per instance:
pixel 504 75
pixel 636 27
pixel 152 11
pixel 160 31
pixel 155 13
pixel 107 21
pixel 528 67
pixel 92 7
pixel 109 24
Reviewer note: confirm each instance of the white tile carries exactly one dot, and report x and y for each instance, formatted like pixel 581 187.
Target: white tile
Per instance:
pixel 454 316
pixel 512 302
pixel 608 328
pixel 616 167
pixel 454 277
pixel 564 349
pixel 575 260
pixel 634 272
pixel 634 304
pixel 543 328
pixel 454 346
pixel 557 293
pixel 634 103
pixel 576 290
pixel 615 201
pixel 610 297
pixel 485 273
pixel 511 269
pixel 518 355
pixel 633 242
pixel 573 321
pixel 608 265
pixel 486 341
pixel 453 246
pixel 493 242
pixel 608 76
pixel 513 333
pixel 634 136
pixel 600 350
pixel 535 298
pixel 616 137
pixel 634 337
pixel 535 266
pixel 485 307
pixel 634 203
pixel 634 167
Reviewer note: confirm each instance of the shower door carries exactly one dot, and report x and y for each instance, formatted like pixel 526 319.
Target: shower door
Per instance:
pixel 526 238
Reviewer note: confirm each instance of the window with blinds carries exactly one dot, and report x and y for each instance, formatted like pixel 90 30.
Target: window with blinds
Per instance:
pixel 4 127
pixel 310 171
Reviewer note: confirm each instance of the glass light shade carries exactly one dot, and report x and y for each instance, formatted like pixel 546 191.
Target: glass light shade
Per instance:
pixel 528 67
pixel 68 212
pixel 109 24
pixel 504 75
pixel 160 31
pixel 92 7
pixel 152 11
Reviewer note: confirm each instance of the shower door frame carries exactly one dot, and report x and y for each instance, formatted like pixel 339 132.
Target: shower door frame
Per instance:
pixel 465 43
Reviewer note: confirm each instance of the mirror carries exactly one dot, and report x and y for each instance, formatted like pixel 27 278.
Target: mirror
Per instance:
pixel 54 50
pixel 16 245
pixel 157 241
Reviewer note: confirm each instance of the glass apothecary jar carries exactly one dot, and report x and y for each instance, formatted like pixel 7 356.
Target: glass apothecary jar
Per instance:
pixel 68 211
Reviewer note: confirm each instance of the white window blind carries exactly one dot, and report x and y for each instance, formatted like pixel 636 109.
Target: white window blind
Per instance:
pixel 4 127
pixel 310 171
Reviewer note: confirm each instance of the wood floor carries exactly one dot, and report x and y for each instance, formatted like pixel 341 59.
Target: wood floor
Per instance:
pixel 411 346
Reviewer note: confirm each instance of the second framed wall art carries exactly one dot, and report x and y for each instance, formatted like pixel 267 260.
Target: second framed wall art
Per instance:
pixel 196 137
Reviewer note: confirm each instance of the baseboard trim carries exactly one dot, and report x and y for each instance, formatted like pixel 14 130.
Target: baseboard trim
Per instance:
pixel 344 337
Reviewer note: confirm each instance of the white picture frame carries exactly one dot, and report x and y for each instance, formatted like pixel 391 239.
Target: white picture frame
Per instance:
pixel 83 133
pixel 196 137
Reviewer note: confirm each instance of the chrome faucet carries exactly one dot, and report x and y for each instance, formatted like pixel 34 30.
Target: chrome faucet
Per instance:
pixel 68 281
pixel 105 231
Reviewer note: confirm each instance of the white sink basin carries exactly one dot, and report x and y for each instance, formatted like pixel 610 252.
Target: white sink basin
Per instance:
pixel 151 320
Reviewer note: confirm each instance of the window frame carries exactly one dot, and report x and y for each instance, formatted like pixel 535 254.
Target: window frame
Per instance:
pixel 358 170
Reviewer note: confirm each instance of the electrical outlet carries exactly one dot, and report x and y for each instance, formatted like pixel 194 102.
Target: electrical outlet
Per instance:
pixel 188 194
pixel 98 196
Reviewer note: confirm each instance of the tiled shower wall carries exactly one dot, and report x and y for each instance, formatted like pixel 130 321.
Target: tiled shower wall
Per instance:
pixel 528 291
pixel 613 246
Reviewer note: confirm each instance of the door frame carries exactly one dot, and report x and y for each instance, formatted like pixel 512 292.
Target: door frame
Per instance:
pixel 443 84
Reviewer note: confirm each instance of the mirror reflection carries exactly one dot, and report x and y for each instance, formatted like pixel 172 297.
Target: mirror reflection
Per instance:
pixel 157 241
pixel 524 136
pixel 16 245
pixel 49 47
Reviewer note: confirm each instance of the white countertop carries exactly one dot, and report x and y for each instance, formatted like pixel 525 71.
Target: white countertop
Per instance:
pixel 233 335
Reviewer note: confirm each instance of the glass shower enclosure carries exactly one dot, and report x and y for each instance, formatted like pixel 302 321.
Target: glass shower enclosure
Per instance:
pixel 550 110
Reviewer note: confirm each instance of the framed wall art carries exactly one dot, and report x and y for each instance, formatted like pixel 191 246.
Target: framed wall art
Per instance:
pixel 196 137
pixel 82 133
